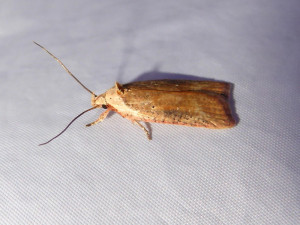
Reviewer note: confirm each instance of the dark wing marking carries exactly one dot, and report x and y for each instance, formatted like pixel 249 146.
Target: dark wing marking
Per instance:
pixel 221 88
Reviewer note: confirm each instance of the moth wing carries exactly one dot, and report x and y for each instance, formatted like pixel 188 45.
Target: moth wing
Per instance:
pixel 193 108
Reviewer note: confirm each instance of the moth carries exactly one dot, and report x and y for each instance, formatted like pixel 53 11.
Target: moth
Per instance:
pixel 183 102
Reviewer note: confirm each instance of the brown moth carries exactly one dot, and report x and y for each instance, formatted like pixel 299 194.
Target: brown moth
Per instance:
pixel 183 102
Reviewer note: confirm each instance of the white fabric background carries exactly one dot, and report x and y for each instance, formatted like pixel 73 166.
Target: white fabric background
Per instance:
pixel 111 173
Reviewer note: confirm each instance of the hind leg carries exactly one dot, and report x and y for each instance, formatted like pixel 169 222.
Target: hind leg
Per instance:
pixel 144 129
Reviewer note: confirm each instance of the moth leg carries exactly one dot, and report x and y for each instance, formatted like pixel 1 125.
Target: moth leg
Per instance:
pixel 101 117
pixel 145 130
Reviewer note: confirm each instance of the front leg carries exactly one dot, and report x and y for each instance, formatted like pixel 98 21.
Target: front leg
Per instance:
pixel 101 117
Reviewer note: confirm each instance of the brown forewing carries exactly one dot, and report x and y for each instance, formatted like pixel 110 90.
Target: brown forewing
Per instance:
pixel 191 103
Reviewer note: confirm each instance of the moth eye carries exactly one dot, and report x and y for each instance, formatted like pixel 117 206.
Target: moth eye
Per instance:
pixel 153 107
pixel 104 106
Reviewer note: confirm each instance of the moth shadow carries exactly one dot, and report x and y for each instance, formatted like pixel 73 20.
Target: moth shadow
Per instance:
pixel 157 75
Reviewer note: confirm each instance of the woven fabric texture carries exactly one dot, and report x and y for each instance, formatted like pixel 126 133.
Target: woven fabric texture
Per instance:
pixel 110 173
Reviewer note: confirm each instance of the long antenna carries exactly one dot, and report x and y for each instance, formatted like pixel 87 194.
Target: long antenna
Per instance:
pixel 68 125
pixel 65 68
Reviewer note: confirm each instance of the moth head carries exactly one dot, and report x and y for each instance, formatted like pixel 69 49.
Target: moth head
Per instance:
pixel 99 100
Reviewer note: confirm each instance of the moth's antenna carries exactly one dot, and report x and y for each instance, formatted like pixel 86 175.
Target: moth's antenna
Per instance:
pixel 65 68
pixel 68 125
